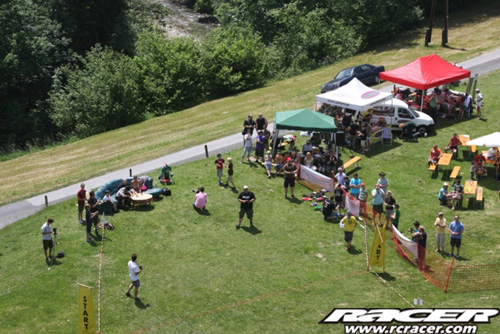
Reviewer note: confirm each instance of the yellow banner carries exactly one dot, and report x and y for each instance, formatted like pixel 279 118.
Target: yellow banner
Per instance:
pixel 377 253
pixel 86 318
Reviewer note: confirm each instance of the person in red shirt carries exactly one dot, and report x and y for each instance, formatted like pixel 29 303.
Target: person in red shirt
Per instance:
pixel 435 155
pixel 219 165
pixel 81 195
pixel 453 144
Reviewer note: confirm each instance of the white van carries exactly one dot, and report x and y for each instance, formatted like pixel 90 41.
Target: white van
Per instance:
pixel 396 112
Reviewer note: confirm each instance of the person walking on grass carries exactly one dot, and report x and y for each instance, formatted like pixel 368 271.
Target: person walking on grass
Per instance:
pixel 47 238
pixel 349 222
pixel 456 229
pixel 219 166
pixel 230 172
pixel 246 199
pixel 81 196
pixel 133 271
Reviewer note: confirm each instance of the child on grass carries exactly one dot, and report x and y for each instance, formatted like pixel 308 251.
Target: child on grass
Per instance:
pixel 230 172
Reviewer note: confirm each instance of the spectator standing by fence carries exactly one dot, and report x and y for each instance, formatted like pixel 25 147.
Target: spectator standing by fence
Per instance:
pixel 440 224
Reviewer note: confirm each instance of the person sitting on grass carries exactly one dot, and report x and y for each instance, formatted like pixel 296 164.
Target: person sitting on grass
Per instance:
pixel 435 155
pixel 200 199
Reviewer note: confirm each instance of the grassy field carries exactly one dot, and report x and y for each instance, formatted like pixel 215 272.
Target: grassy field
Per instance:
pixel 53 168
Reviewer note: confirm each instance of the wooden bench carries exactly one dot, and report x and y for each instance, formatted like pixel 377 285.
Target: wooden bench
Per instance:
pixel 473 148
pixel 351 162
pixel 432 167
pixel 454 172
pixel 479 195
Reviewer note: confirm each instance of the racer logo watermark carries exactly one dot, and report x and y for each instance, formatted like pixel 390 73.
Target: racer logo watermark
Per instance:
pixel 447 317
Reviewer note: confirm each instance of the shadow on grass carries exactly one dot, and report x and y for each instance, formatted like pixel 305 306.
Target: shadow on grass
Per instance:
pixel 354 251
pixel 143 208
pixel 141 305
pixel 294 200
pixel 252 230
pixel 202 212
pixel 388 277
pixel 53 262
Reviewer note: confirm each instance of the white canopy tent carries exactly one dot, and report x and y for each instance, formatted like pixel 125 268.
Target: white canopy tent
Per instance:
pixel 491 140
pixel 355 95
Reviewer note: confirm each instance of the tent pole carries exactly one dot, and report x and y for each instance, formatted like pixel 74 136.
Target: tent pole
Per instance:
pixel 276 131
pixel 424 93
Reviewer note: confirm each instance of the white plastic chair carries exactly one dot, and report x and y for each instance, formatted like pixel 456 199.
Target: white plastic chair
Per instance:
pixel 387 136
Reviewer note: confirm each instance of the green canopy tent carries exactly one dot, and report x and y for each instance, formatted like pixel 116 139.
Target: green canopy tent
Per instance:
pixel 302 120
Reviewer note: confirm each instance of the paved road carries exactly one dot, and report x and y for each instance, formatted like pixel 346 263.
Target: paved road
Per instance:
pixel 11 213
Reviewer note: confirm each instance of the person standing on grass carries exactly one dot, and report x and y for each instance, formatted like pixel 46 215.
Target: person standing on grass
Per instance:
pixel 247 146
pixel 81 195
pixel 249 124
pixel 246 199
pixel 395 216
pixel 378 203
pixel 479 102
pixel 456 229
pixel 349 222
pixel 47 238
pixel 133 271
pixel 289 171
pixel 219 166
pixel 261 122
pixel 91 218
pixel 383 182
pixel 355 185
pixel 440 224
pixel 260 141
pixel 230 172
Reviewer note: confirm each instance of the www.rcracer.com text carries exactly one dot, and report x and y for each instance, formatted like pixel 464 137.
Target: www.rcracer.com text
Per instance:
pixel 409 329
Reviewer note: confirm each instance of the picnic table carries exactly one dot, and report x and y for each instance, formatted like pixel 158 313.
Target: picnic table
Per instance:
pixel 486 160
pixel 470 187
pixel 463 140
pixel 445 160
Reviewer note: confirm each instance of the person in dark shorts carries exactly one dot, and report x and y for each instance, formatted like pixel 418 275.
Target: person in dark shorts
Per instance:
pixel 133 271
pixel 47 238
pixel 289 171
pixel 246 199
pixel 456 229
pixel 90 216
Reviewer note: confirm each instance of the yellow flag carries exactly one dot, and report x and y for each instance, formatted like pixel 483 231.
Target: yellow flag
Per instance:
pixel 86 317
pixel 377 253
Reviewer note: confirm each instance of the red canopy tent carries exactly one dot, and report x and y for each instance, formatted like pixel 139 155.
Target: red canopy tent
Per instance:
pixel 426 72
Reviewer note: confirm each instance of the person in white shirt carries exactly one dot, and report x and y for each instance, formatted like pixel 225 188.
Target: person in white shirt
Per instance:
pixel 47 238
pixel 479 102
pixel 134 270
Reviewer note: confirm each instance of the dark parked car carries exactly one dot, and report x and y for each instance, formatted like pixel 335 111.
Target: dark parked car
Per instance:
pixel 367 74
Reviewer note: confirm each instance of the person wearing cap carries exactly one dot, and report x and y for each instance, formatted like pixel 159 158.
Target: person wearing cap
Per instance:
pixel 479 102
pixel 434 156
pixel 47 238
pixel 378 202
pixel 246 199
pixel 443 194
pixel 166 170
pixel 230 172
pixel 349 222
pixel 440 224
pixel 383 182
pixel 289 171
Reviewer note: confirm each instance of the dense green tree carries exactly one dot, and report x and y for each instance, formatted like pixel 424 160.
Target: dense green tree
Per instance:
pixel 234 59
pixel 171 74
pixel 101 95
pixel 31 46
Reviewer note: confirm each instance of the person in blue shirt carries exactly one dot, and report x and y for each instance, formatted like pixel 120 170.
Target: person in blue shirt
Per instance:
pixel 355 185
pixel 456 229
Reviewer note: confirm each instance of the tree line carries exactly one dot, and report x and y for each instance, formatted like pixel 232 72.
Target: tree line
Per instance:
pixel 77 68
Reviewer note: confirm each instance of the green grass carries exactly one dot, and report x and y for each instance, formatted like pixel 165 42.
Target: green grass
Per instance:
pixel 43 171
pixel 203 276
